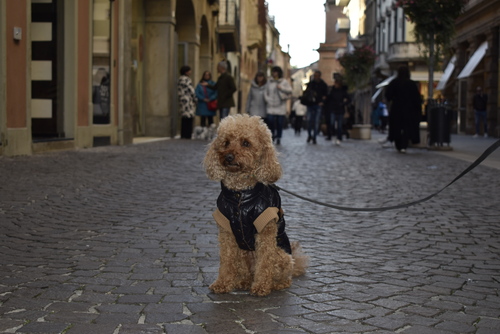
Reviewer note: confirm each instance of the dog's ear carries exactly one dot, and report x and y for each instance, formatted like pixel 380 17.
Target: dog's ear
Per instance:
pixel 211 162
pixel 269 169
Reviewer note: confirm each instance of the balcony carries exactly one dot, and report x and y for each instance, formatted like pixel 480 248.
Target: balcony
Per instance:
pixel 255 36
pixel 342 3
pixel 343 25
pixel 228 29
pixel 381 61
pixel 403 52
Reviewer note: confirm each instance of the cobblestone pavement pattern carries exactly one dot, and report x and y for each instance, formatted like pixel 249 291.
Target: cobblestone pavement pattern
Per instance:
pixel 121 240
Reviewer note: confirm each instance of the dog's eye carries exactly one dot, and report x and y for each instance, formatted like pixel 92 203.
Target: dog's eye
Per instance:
pixel 245 143
pixel 226 143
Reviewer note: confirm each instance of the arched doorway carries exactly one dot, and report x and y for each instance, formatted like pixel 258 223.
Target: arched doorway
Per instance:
pixel 188 48
pixel 187 38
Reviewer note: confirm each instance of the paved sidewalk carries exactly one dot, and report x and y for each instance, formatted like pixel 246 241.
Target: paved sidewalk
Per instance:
pixel 464 147
pixel 120 240
pixel 467 148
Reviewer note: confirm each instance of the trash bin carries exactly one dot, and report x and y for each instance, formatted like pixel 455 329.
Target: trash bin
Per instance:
pixel 439 119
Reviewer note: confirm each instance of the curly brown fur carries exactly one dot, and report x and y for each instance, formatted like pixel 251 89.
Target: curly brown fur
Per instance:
pixel 240 156
pixel 249 140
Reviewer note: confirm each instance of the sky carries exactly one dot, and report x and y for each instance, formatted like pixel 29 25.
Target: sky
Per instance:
pixel 301 24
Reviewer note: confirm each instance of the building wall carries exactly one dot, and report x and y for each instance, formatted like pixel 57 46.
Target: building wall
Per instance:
pixel 3 116
pixel 17 137
pixel 480 22
pixel 155 36
pixel 335 43
pixel 252 39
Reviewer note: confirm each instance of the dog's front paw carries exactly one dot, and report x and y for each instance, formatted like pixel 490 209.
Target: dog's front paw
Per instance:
pixel 220 287
pixel 260 290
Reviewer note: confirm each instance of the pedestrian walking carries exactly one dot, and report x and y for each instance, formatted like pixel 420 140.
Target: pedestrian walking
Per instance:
pixel 375 116
pixel 300 111
pixel 335 109
pixel 256 104
pixel 383 115
pixel 204 94
pixel 277 92
pixel 405 111
pixel 319 90
pixel 225 87
pixel 479 103
pixel 187 101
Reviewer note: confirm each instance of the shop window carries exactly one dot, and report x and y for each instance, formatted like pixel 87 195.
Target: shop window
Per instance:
pixel 101 61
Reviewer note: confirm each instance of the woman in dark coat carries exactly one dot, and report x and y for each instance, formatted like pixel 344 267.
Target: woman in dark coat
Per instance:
pixel 405 110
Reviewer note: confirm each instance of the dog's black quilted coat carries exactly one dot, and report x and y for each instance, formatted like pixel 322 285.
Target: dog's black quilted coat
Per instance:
pixel 242 208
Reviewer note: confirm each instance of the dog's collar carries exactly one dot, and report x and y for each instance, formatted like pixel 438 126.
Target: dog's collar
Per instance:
pixel 240 195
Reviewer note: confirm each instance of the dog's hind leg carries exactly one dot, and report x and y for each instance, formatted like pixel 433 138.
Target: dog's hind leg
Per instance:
pixel 232 264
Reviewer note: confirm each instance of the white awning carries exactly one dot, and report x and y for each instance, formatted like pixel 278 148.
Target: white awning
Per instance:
pixel 386 81
pixel 474 61
pixel 377 93
pixel 447 73
pixel 424 76
pixel 415 76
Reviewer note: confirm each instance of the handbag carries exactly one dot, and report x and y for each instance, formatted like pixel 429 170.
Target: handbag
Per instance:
pixel 347 114
pixel 212 104
pixel 284 96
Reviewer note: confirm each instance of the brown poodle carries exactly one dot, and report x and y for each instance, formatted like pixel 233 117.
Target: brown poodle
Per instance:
pixel 255 253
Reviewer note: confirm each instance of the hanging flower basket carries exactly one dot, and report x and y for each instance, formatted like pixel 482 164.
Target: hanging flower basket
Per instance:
pixel 357 66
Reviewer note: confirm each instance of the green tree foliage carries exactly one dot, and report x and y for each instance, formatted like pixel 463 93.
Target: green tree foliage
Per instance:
pixel 433 19
pixel 434 22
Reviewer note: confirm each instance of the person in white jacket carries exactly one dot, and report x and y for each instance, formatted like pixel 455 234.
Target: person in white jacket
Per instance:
pixel 278 91
pixel 300 111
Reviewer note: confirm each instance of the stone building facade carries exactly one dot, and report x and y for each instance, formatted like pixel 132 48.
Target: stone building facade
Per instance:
pixel 476 63
pixel 77 74
pixel 335 39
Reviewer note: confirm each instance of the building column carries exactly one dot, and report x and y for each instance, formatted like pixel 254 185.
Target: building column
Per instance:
pixel 458 92
pixel 125 85
pixel 471 90
pixel 491 81
pixel 158 84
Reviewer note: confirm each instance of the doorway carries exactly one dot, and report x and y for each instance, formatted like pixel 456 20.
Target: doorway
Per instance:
pixel 101 62
pixel 137 74
pixel 46 82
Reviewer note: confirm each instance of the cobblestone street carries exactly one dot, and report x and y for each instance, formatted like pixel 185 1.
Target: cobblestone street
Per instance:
pixel 121 240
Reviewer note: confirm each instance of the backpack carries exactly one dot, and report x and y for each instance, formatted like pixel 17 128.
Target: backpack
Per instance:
pixel 308 98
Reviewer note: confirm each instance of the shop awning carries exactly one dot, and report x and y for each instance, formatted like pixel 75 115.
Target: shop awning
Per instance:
pixel 415 76
pixel 377 93
pixel 386 82
pixel 447 73
pixel 474 61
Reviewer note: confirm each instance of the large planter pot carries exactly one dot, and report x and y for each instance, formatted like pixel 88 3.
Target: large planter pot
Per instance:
pixel 361 131
pixel 424 136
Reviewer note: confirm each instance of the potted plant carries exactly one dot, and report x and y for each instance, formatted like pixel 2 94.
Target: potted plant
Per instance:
pixel 358 66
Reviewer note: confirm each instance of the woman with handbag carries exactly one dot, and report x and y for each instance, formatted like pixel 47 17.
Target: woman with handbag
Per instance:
pixel 207 100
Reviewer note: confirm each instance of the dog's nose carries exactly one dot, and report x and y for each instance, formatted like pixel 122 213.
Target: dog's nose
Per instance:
pixel 229 157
